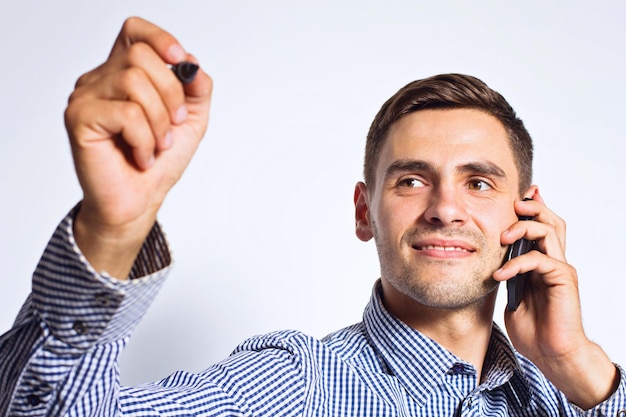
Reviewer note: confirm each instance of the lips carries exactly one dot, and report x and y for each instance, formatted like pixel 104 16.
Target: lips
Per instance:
pixel 443 248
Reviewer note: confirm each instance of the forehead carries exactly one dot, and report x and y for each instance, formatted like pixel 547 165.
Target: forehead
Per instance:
pixel 448 138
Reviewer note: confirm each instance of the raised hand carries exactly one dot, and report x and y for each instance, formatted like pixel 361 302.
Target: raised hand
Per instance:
pixel 133 128
pixel 547 327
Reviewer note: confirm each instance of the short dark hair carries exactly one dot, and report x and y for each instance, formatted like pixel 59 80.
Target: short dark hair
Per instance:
pixel 449 91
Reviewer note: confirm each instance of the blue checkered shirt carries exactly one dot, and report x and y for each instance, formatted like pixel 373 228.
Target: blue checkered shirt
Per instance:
pixel 60 358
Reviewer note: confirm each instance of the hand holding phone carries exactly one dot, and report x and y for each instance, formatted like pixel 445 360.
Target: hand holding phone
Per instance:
pixel 515 285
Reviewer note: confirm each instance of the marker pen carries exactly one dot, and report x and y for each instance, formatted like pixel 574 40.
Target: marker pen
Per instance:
pixel 185 71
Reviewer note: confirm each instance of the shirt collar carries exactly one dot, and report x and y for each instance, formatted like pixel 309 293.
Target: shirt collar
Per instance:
pixel 421 364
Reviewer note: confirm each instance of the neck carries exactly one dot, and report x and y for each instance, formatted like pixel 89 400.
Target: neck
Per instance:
pixel 464 331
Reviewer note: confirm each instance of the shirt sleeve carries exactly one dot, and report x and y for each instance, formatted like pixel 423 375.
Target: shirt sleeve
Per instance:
pixel 263 377
pixel 615 405
pixel 66 340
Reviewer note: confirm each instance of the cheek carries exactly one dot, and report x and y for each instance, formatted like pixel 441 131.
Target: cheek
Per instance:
pixel 392 219
pixel 396 221
pixel 493 226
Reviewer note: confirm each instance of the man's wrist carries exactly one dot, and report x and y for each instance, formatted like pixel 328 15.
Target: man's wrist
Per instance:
pixel 587 378
pixel 110 249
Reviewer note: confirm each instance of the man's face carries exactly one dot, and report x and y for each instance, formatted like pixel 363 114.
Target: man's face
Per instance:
pixel 445 186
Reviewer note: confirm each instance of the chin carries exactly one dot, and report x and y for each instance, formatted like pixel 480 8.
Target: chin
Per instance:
pixel 446 291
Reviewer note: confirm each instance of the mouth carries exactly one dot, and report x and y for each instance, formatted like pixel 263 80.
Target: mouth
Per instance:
pixel 442 248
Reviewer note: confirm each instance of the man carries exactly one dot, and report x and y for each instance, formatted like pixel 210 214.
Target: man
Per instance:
pixel 447 165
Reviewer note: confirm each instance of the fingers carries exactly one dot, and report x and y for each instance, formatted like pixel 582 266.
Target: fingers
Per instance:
pixel 546 228
pixel 547 231
pixel 136 30
pixel 141 68
pixel 151 101
pixel 552 271
pixel 161 98
pixel 113 119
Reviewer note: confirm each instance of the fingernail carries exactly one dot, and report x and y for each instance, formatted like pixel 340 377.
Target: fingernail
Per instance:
pixel 176 53
pixel 167 141
pixel 149 162
pixel 181 115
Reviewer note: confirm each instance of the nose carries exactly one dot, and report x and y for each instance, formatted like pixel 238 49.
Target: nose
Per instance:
pixel 446 207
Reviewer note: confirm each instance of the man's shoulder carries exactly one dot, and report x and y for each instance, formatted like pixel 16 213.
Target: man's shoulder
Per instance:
pixel 344 343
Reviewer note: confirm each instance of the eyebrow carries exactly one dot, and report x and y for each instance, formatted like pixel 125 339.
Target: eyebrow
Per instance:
pixel 413 165
pixel 484 168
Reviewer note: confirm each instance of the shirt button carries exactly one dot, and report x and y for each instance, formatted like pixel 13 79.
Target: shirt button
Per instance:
pixel 80 328
pixel 102 300
pixel 458 368
pixel 33 400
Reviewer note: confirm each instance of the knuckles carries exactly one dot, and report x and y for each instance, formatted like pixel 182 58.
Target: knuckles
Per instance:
pixel 137 53
pixel 75 109
pixel 130 23
pixel 130 111
pixel 130 79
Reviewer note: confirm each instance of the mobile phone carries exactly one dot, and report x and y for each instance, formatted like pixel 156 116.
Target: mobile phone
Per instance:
pixel 515 285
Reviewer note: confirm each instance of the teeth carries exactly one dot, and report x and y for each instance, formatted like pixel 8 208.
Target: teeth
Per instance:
pixel 444 248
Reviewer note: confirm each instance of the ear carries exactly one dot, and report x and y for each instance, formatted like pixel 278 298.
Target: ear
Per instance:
pixel 362 212
pixel 532 191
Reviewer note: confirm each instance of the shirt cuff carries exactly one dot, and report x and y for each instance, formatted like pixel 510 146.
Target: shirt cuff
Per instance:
pixel 82 307
pixel 615 405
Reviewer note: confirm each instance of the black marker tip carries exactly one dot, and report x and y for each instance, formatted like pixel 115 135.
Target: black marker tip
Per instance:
pixel 185 71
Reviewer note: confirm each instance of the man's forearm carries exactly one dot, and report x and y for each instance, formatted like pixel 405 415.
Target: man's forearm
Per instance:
pixel 64 347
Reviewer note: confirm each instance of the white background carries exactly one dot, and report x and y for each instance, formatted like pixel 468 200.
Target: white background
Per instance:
pixel 262 222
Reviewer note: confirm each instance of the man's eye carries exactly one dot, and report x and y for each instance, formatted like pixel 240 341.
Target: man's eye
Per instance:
pixel 410 183
pixel 479 185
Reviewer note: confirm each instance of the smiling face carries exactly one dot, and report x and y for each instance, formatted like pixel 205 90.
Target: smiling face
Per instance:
pixel 444 191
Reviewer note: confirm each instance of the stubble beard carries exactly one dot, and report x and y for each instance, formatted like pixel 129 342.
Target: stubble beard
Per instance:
pixel 443 284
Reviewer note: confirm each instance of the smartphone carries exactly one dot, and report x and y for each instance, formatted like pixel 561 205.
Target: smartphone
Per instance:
pixel 515 285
